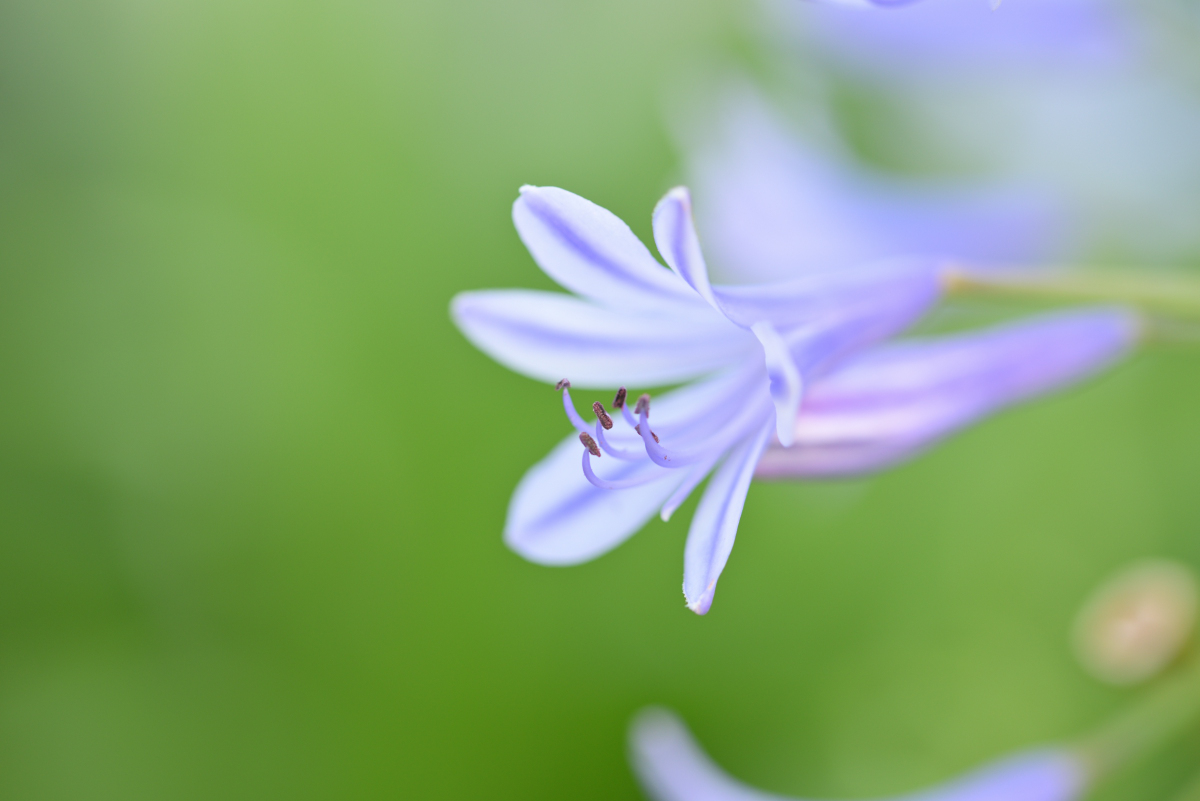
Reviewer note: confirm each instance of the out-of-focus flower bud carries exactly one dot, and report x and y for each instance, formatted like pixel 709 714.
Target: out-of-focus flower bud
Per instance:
pixel 1136 623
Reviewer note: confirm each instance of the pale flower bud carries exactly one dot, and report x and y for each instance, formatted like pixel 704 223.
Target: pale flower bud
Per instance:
pixel 1137 622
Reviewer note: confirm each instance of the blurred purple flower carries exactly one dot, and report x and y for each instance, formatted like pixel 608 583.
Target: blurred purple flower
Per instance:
pixel 771 208
pixel 749 353
pixel 928 36
pixel 671 766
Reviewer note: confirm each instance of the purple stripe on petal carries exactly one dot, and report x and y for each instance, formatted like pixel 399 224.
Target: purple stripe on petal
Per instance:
pixel 672 766
pixel 547 335
pixel 588 250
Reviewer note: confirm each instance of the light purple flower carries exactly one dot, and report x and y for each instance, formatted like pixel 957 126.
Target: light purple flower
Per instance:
pixel 748 351
pixel 672 766
pixel 752 354
pixel 772 207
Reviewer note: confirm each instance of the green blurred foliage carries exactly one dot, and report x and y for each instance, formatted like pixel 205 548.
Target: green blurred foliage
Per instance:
pixel 252 481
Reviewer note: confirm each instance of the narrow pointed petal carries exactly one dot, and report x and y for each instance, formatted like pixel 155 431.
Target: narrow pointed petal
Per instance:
pixel 547 335
pixel 896 400
pixel 786 386
pixel 672 766
pixel 591 252
pixel 675 235
pixel 556 517
pixel 710 538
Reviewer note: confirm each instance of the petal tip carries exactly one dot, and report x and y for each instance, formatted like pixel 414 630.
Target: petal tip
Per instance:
pixel 702 604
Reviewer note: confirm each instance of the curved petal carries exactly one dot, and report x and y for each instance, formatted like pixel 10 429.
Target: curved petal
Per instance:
pixel 713 529
pixel 785 384
pixel 675 236
pixel 557 518
pixel 591 252
pixel 672 766
pixel 549 336
pixel 896 400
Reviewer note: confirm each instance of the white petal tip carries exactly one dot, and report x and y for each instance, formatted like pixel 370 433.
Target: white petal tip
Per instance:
pixel 527 188
pixel 786 435
pixel 702 604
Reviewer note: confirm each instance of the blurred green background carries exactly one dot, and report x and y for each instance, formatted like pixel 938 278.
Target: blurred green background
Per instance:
pixel 252 481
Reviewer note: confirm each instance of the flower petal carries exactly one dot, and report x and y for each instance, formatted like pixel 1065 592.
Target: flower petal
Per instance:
pixel 896 400
pixel 771 206
pixel 785 384
pixel 557 518
pixel 713 529
pixel 675 235
pixel 804 300
pixel 548 336
pixel 591 252
pixel 672 766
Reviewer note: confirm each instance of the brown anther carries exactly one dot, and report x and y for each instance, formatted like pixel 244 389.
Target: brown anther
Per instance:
pixel 638 429
pixel 564 384
pixel 605 420
pixel 619 401
pixel 642 403
pixel 589 443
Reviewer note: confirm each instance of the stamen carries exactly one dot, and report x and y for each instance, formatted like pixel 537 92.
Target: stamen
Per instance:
pixel 605 420
pixel 596 481
pixel 617 453
pixel 629 418
pixel 658 454
pixel 590 444
pixel 619 401
pixel 638 429
pixel 569 407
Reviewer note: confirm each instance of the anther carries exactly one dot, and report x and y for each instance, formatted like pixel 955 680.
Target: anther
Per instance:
pixel 638 429
pixel 564 384
pixel 589 443
pixel 605 420
pixel 643 403
pixel 619 401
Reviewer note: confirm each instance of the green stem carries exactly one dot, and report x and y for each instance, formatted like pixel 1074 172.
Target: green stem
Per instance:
pixel 1171 708
pixel 1171 293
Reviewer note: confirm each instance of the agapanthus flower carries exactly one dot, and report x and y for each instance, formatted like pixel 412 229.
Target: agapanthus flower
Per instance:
pixel 748 357
pixel 672 766
pixel 772 205
pixel 925 35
